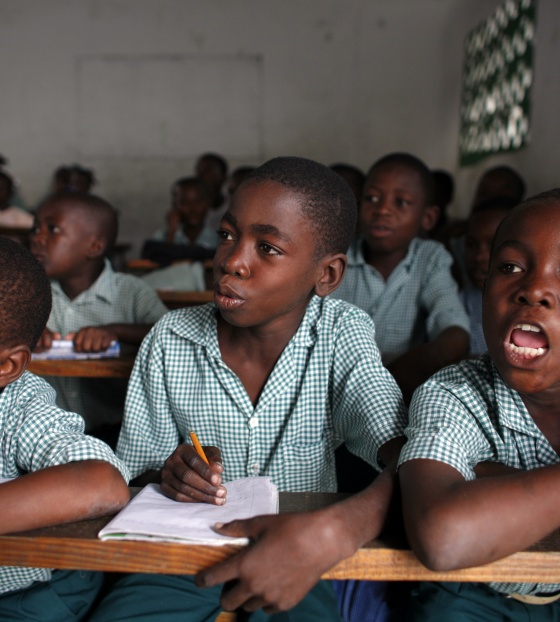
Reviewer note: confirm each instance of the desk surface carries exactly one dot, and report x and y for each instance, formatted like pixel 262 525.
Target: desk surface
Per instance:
pixel 120 367
pixel 75 546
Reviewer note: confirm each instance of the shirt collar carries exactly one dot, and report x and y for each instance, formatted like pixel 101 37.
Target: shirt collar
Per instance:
pixel 356 256
pixel 104 288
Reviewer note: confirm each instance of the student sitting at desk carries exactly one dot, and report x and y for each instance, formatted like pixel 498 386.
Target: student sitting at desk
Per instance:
pixel 273 377
pixel 479 472
pixel 59 474
pixel 92 305
pixel 403 282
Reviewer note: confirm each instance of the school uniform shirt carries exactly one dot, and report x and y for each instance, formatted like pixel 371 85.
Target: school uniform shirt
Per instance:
pixel 471 297
pixel 113 298
pixel 208 238
pixel 415 304
pixel 36 434
pixel 327 387
pixel 466 414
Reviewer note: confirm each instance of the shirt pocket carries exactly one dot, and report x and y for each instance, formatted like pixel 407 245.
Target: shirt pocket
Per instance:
pixel 306 465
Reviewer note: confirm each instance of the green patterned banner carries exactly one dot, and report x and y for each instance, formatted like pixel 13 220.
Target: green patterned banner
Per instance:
pixel 497 79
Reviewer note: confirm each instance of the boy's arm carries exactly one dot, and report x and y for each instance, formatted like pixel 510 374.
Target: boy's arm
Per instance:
pixel 414 367
pixel 454 523
pixel 290 552
pixel 99 338
pixel 62 493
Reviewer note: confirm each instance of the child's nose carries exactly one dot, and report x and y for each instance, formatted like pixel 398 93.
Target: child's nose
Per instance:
pixel 235 263
pixel 538 290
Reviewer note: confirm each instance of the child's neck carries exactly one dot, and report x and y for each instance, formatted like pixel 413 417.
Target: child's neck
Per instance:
pixel 384 263
pixel 252 353
pixel 75 285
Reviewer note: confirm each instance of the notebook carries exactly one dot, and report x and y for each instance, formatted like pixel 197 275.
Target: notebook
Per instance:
pixel 64 349
pixel 151 516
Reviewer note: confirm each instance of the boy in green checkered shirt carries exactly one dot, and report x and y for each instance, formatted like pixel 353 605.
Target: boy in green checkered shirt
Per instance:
pixel 481 465
pixel 92 304
pixel 402 281
pixel 50 471
pixel 272 377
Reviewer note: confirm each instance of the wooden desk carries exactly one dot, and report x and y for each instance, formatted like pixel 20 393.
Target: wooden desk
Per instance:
pixel 75 546
pixel 120 367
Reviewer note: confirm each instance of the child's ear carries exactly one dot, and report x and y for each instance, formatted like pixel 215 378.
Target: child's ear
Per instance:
pixel 430 217
pixel 332 271
pixel 13 362
pixel 97 247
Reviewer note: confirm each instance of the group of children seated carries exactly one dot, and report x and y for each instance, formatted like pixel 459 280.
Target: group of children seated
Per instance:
pixel 330 326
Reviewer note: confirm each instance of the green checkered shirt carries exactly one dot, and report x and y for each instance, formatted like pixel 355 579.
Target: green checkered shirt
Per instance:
pixel 327 387
pixel 465 415
pixel 113 298
pixel 37 434
pixel 418 301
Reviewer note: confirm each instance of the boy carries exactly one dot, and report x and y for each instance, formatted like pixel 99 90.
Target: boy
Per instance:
pixel 481 228
pixel 185 220
pixel 92 305
pixel 212 170
pixel 273 377
pixel 479 472
pixel 56 474
pixel 404 283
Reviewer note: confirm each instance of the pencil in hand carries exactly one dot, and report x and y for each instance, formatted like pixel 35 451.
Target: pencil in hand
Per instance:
pixel 198 446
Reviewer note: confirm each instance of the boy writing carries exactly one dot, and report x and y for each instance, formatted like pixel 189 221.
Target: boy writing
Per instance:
pixel 479 472
pixel 273 377
pixel 92 305
pixel 56 473
pixel 404 283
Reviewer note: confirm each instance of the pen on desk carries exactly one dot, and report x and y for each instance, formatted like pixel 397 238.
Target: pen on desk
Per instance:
pixel 198 446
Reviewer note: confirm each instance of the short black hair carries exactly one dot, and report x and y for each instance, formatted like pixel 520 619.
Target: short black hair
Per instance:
pixel 25 295
pixel 549 196
pixel 501 180
pixel 326 199
pixel 414 163
pixel 98 210
pixel 495 203
pixel 218 159
pixel 9 180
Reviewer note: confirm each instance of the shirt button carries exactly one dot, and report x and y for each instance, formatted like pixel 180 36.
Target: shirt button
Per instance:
pixel 253 422
pixel 256 469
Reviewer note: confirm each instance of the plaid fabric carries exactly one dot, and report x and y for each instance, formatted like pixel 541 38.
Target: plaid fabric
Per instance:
pixel 471 297
pixel 113 298
pixel 327 387
pixel 417 302
pixel 466 414
pixel 37 434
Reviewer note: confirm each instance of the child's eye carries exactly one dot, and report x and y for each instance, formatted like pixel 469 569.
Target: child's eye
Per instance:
pixel 509 268
pixel 267 249
pixel 224 235
pixel 402 202
pixel 371 198
pixel 54 229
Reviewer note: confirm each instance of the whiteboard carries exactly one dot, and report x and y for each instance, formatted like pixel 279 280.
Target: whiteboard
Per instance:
pixel 169 106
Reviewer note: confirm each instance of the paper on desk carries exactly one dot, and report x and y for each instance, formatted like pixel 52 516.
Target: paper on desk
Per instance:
pixel 64 349
pixel 153 516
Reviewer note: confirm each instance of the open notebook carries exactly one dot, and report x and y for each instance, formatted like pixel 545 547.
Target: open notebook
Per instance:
pixel 153 516
pixel 64 349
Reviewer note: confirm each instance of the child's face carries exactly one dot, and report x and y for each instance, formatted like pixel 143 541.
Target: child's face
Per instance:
pixel 210 172
pixel 393 208
pixel 61 239
pixel 521 309
pixel 190 201
pixel 264 269
pixel 480 232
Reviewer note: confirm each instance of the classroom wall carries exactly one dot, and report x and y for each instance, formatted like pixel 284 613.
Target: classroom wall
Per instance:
pixel 137 89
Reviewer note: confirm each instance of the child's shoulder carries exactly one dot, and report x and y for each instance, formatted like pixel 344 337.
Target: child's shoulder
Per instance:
pixel 192 323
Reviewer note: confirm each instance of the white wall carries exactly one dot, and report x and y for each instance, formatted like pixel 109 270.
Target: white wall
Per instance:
pixel 137 89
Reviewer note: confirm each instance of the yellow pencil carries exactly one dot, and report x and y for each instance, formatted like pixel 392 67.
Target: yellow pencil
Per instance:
pixel 198 446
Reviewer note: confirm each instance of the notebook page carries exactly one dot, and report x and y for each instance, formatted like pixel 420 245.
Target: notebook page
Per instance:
pixel 153 516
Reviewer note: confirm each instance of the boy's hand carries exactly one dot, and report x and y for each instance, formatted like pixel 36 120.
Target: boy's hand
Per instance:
pixel 46 339
pixel 186 477
pixel 288 555
pixel 92 339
